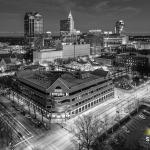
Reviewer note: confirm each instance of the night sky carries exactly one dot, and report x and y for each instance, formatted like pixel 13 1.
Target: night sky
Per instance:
pixel 88 14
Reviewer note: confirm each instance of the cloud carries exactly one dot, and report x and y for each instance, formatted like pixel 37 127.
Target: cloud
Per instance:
pixel 91 7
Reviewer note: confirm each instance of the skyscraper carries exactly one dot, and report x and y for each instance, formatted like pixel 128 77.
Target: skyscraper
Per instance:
pixel 119 27
pixel 71 27
pixel 67 25
pixel 33 26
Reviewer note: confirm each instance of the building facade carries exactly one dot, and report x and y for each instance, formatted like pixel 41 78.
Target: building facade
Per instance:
pixel 46 55
pixel 68 51
pixel 75 50
pixel 136 63
pixel 33 26
pixel 119 27
pixel 105 60
pixel 67 26
pixel 65 94
pixel 96 42
pixel 113 41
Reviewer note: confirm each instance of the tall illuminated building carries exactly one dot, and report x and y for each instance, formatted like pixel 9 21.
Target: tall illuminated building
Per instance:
pixel 67 25
pixel 33 26
pixel 119 27
pixel 71 26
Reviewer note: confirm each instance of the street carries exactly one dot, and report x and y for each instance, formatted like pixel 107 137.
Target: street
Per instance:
pixel 60 138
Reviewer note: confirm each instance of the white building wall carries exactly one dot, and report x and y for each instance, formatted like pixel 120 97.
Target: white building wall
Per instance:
pixel 48 55
pixel 76 50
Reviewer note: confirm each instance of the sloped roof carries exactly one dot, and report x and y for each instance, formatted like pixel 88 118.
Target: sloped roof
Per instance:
pixel 37 80
pixel 45 81
pixel 72 81
pixel 100 73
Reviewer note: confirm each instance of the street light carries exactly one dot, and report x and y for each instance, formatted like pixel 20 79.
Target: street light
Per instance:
pixel 49 119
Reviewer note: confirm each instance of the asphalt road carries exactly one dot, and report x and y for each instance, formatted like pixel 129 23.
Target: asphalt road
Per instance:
pixel 61 139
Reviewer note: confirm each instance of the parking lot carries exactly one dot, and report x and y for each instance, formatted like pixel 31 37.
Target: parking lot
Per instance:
pixel 134 135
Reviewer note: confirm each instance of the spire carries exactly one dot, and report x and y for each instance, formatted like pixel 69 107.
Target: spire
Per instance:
pixel 70 15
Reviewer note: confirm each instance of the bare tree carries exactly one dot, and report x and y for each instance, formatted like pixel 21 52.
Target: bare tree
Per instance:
pixel 118 117
pixel 129 108
pixel 105 123
pixel 137 104
pixel 86 130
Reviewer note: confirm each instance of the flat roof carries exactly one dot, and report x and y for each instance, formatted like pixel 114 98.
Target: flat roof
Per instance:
pixel 47 50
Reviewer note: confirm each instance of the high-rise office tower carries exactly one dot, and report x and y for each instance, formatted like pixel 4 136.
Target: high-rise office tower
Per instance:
pixel 119 27
pixel 67 25
pixel 33 26
pixel 71 27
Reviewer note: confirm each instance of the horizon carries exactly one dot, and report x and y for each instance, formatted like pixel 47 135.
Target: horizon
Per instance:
pixel 90 14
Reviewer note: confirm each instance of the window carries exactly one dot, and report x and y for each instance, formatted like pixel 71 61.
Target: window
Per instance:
pixel 65 101
pixel 99 99
pixel 85 106
pixel 89 105
pixel 79 109
pixel 82 108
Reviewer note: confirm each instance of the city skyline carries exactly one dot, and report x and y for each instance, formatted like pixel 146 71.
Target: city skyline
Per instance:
pixel 87 14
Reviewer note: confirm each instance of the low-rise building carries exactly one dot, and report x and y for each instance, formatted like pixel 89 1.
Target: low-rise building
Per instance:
pixel 136 63
pixel 75 50
pixel 105 60
pixel 66 94
pixel 68 51
pixel 113 41
pixel 7 62
pixel 46 55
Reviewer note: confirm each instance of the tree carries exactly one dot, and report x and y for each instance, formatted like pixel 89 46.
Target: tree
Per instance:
pixel 86 130
pixel 105 123
pixel 137 104
pixel 129 108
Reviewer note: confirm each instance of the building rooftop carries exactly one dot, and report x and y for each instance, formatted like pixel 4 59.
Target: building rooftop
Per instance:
pixel 72 80
pixel 100 73
pixel 48 50
pixel 107 56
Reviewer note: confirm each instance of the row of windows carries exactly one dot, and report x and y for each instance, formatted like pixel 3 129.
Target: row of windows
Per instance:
pixel 32 94
pixel 91 104
pixel 90 92
pixel 86 88
pixel 92 97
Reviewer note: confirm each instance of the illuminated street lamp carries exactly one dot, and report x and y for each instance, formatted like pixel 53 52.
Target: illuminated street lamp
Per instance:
pixel 49 119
